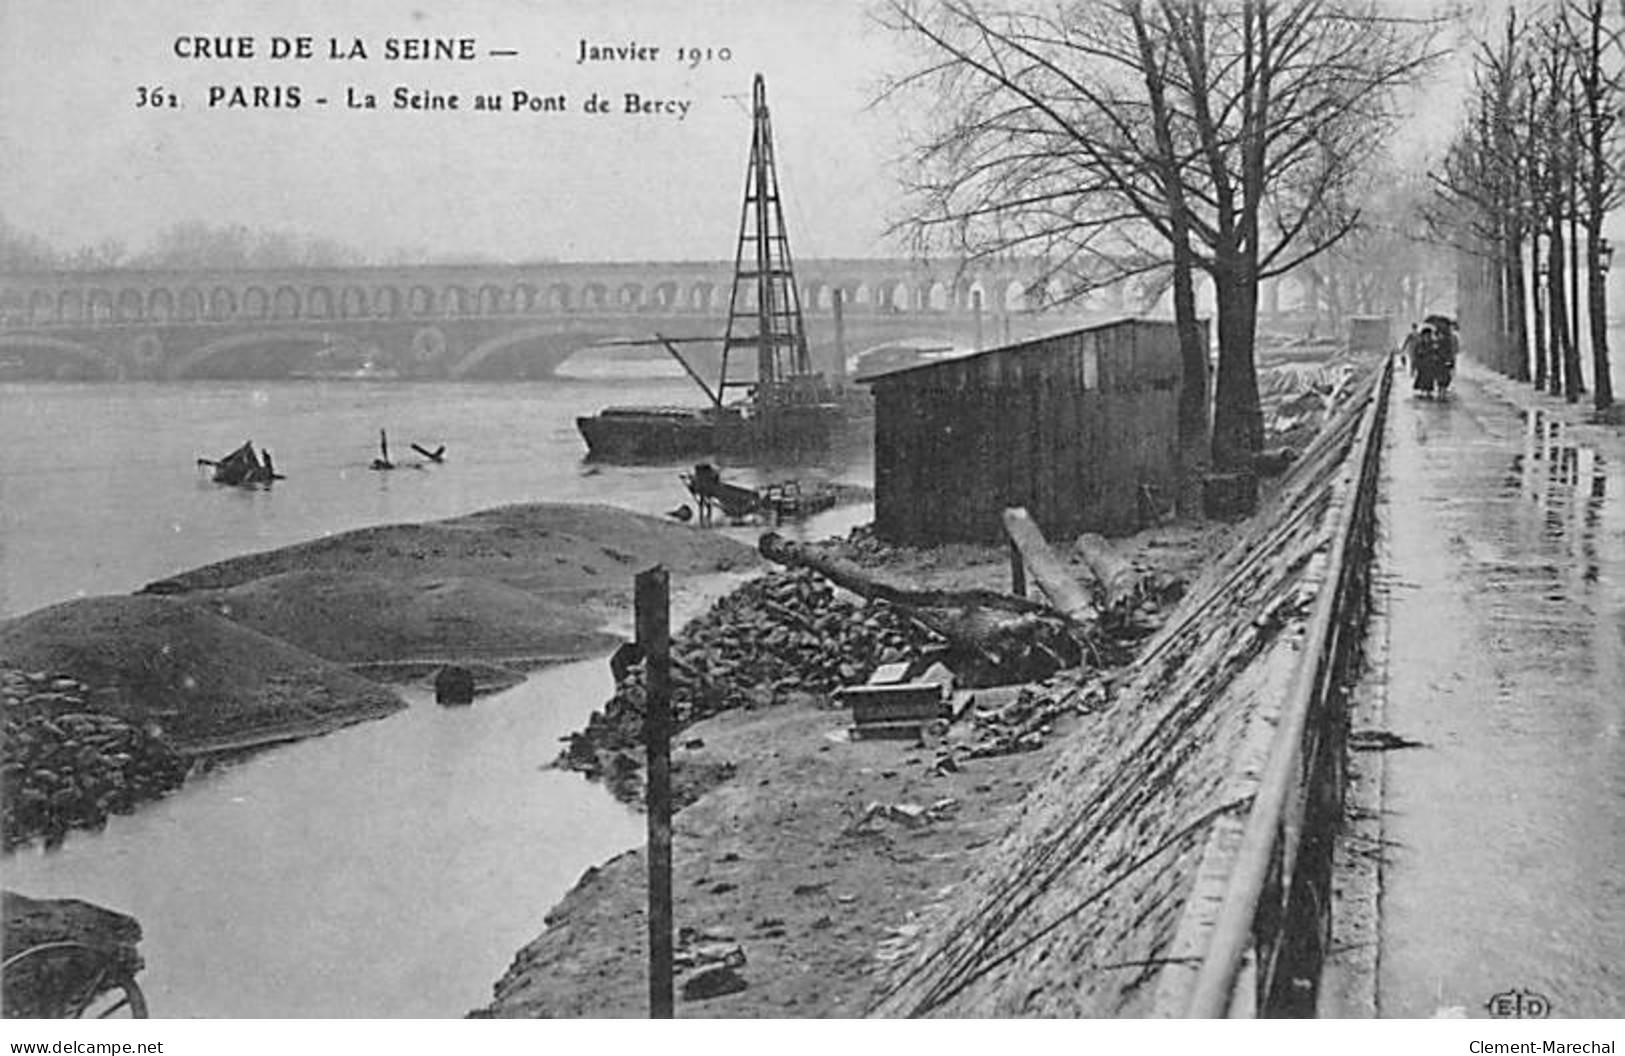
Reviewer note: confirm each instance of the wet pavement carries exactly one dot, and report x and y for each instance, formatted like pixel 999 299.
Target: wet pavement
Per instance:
pixel 1505 869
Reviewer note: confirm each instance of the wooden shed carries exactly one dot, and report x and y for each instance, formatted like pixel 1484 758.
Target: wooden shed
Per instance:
pixel 1079 427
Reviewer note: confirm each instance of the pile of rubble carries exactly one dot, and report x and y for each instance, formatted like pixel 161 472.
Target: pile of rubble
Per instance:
pixel 68 767
pixel 714 960
pixel 970 723
pixel 1021 719
pixel 786 633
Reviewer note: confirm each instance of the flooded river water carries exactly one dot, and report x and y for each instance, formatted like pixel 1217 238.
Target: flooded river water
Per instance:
pixel 389 869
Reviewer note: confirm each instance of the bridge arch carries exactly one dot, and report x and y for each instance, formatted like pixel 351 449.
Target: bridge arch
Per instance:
pixel 491 301
pixel 455 300
pixel 99 306
pixel 501 343
pixel 700 295
pixel 936 297
pixel 665 296
pixel 190 305
pixel 557 297
pixel 129 306
pixel 523 298
pixel 892 295
pixel 161 305
pixel 106 367
pixel 222 304
pixel 421 301
pixel 353 303
pixel 70 306
pixel 285 305
pixel 594 295
pixel 319 303
pixel 186 364
pixel 256 303
pixel 386 302
pixel 629 296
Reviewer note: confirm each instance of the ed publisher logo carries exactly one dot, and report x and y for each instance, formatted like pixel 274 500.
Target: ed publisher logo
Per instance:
pixel 1519 1004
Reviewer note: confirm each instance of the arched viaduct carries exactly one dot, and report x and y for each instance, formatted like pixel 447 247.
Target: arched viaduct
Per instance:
pixel 455 321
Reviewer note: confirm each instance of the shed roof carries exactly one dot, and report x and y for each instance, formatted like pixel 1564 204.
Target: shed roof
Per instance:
pixel 936 364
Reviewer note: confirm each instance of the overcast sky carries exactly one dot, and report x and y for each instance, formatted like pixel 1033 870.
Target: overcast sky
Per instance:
pixel 81 162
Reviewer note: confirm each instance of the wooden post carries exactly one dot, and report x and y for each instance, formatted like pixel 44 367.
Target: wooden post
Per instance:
pixel 651 597
pixel 1018 571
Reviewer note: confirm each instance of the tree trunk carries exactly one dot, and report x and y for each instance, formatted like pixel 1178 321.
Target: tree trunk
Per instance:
pixel 1602 384
pixel 1238 424
pixel 1520 314
pixel 1574 385
pixel 1194 459
pixel 996 638
pixel 1193 345
pixel 1538 302
pixel 1557 310
pixel 1498 303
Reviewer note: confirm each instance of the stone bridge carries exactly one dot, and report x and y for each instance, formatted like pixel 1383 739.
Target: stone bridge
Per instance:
pixel 461 321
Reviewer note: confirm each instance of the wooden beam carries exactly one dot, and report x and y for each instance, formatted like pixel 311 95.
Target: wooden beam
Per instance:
pixel 1064 592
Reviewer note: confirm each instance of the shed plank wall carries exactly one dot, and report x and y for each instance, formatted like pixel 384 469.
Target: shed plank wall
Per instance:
pixel 957 442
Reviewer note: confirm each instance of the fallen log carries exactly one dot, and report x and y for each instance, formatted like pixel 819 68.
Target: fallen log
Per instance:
pixel 1119 583
pixel 850 577
pixel 1052 578
pixel 996 638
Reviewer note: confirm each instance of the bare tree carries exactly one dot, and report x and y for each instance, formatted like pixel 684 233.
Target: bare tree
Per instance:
pixel 1600 80
pixel 1118 138
pixel 1538 160
pixel 1391 264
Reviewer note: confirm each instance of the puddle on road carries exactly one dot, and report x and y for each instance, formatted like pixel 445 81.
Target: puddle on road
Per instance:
pixel 1508 650
pixel 1568 482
